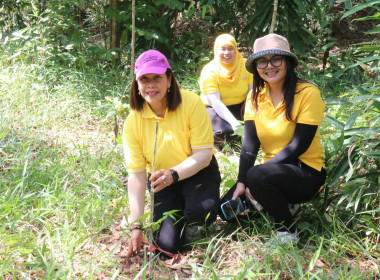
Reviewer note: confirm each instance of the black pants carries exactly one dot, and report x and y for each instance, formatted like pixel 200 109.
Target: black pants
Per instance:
pixel 223 130
pixel 193 201
pixel 276 185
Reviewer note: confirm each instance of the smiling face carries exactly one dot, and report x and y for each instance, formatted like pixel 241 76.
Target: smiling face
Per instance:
pixel 272 74
pixel 226 53
pixel 153 88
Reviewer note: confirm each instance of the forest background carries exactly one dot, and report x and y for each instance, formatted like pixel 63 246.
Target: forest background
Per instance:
pixel 64 83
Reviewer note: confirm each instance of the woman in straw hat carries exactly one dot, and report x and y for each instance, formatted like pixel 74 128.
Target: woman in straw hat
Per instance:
pixel 168 135
pixel 282 117
pixel 225 83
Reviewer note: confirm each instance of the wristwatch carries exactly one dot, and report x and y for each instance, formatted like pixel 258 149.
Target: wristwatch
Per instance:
pixel 174 175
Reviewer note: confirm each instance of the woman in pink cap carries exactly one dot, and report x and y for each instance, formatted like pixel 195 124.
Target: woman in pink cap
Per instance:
pixel 168 144
pixel 282 117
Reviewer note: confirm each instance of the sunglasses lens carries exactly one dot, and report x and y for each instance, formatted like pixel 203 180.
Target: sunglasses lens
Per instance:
pixel 275 61
pixel 262 64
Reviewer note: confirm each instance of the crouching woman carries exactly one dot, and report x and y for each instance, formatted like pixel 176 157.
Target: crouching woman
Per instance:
pixel 168 144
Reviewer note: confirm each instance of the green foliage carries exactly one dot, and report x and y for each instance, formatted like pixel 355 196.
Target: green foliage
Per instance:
pixel 11 14
pixel 74 32
pixel 293 21
pixel 352 153
pixel 352 63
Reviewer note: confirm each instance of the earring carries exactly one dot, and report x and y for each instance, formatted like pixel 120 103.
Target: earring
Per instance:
pixel 168 89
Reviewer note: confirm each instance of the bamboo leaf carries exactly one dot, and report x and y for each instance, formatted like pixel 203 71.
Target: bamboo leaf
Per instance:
pixel 335 122
pixel 372 154
pixel 364 96
pixel 325 47
pixel 373 17
pixel 360 7
pixel 362 131
pixel 376 104
pixel 364 61
pixel 335 101
pixel 374 30
pixel 351 121
pixel 342 168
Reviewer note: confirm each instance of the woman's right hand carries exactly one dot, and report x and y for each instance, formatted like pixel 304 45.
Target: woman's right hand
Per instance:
pixel 240 190
pixel 135 243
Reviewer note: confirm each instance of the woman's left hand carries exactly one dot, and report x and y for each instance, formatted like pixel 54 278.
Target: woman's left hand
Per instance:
pixel 240 190
pixel 135 243
pixel 160 179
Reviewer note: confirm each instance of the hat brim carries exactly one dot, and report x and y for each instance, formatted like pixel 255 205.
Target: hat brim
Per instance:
pixel 250 65
pixel 150 70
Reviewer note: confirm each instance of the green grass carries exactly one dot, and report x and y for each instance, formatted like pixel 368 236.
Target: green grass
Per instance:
pixel 63 198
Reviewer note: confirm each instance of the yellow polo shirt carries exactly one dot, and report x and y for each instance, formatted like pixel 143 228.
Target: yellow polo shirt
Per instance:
pixel 188 127
pixel 275 132
pixel 229 95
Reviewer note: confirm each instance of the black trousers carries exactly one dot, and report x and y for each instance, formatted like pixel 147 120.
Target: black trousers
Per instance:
pixel 193 201
pixel 276 185
pixel 223 130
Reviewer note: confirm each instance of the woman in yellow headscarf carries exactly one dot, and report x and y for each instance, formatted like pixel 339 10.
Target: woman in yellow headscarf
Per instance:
pixel 224 84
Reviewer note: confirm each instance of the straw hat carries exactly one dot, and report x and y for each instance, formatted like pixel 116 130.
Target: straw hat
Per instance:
pixel 267 45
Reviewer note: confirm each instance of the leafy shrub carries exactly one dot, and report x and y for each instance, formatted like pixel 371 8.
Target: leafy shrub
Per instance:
pixel 353 158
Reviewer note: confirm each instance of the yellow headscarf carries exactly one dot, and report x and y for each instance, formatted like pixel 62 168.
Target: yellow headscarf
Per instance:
pixel 228 73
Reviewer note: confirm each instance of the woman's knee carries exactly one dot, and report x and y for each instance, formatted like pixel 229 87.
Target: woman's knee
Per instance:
pixel 203 213
pixel 168 238
pixel 258 180
pixel 255 176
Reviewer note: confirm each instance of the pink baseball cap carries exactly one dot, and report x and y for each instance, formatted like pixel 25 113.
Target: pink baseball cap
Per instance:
pixel 151 62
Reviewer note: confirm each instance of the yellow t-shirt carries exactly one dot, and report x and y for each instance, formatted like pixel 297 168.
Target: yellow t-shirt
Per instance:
pixel 275 132
pixel 229 95
pixel 186 128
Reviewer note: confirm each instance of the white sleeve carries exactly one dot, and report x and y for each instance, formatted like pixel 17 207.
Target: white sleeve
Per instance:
pixel 214 100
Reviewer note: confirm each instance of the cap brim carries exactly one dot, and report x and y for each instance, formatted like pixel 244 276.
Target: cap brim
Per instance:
pixel 150 70
pixel 250 65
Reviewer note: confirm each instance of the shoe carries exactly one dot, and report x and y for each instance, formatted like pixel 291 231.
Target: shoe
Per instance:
pixel 282 237
pixel 286 237
pixel 192 233
pixel 294 209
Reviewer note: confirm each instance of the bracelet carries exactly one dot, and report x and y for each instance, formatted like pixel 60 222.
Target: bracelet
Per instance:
pixel 135 226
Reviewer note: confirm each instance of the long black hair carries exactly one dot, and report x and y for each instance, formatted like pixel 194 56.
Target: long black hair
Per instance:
pixel 289 87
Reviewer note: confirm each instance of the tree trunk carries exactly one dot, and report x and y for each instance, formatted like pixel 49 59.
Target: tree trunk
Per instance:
pixel 274 16
pixel 80 14
pixel 115 30
pixel 133 37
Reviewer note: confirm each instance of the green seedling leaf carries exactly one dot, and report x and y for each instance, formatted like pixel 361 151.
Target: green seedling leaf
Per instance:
pixel 328 218
pixel 315 256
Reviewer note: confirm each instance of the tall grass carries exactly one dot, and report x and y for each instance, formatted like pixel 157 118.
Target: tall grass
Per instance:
pixel 63 200
pixel 61 171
